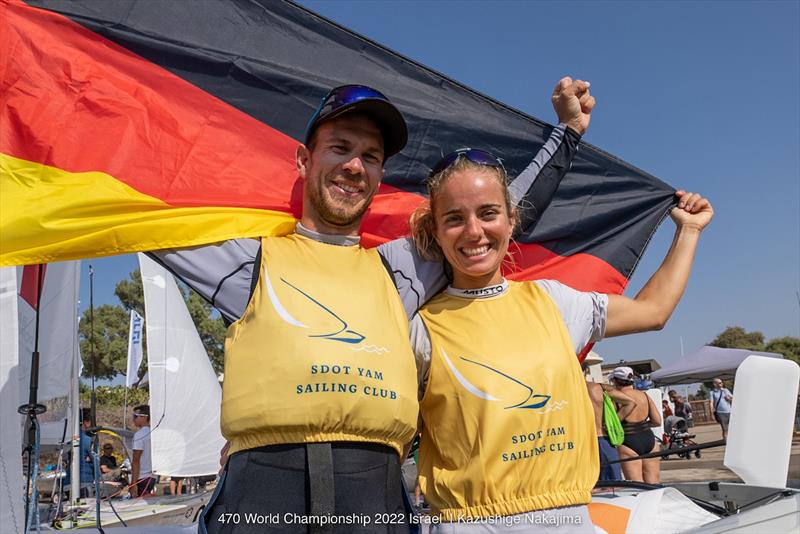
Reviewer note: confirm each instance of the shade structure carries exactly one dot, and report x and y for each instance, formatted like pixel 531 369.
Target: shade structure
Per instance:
pixel 706 363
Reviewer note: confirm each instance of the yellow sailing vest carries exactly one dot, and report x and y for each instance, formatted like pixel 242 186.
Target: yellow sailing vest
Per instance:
pixel 321 353
pixel 509 426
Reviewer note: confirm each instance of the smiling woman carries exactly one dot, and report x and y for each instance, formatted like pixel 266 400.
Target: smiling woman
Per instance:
pixel 499 356
pixel 473 217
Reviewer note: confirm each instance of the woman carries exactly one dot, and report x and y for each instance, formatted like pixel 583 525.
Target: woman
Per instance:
pixel 508 426
pixel 637 424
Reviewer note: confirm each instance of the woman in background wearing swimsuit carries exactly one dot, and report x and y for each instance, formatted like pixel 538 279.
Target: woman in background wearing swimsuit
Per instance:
pixel 637 424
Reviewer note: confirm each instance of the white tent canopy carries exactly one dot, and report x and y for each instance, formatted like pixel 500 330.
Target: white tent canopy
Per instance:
pixel 706 363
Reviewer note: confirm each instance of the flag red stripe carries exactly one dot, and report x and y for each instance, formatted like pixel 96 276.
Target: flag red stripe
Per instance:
pixel 149 128
pixel 185 146
pixel 584 272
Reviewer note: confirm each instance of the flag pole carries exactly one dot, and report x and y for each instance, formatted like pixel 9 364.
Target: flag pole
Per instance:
pixel 95 437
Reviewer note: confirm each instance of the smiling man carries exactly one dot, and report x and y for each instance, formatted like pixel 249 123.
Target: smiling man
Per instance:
pixel 320 391
pixel 320 386
pixel 342 167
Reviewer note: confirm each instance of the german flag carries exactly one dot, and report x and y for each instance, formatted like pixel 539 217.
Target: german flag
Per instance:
pixel 140 125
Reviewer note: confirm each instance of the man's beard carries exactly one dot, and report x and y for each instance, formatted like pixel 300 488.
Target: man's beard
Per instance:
pixel 338 212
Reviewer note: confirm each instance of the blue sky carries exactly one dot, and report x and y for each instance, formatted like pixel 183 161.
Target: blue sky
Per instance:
pixel 704 95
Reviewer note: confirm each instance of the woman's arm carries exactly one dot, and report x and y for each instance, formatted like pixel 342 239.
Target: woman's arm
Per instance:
pixel 654 413
pixel 654 304
pixel 623 402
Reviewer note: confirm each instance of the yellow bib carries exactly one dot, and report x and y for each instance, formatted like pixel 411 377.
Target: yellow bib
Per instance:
pixel 509 426
pixel 321 352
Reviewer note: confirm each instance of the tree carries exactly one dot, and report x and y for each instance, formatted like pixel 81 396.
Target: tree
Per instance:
pixel 788 346
pixel 111 327
pixel 701 393
pixel 131 293
pixel 110 354
pixel 735 337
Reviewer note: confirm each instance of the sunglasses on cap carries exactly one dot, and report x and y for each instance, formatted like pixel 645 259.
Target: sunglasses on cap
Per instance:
pixel 475 155
pixel 366 100
pixel 344 95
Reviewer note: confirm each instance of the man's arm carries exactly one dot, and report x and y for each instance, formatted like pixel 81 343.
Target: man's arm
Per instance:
pixel 653 305
pixel 221 273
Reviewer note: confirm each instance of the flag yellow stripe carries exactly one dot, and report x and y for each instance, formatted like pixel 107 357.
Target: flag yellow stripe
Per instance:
pixel 47 214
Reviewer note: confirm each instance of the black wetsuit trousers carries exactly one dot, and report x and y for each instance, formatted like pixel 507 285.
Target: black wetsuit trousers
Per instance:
pixel 267 490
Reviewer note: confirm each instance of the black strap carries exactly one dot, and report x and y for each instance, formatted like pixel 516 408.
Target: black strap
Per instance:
pixel 256 272
pixel 319 460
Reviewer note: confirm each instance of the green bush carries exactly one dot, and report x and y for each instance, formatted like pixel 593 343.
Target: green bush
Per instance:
pixel 114 396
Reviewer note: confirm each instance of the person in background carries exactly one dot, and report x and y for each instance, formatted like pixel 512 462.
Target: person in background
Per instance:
pixel 86 463
pixel 677 402
pixel 637 424
pixel 176 485
pixel 608 452
pixel 721 400
pixel 682 407
pixel 107 460
pixel 666 411
pixel 142 480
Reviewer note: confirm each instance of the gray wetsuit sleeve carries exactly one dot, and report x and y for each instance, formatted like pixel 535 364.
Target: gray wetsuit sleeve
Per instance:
pixel 416 279
pixel 221 273
pixel 421 345
pixel 526 178
pixel 584 312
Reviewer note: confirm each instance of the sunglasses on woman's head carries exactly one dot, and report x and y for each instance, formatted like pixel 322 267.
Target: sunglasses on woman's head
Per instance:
pixel 475 155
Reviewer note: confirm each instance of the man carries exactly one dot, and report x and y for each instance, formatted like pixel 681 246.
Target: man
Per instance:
pixel 721 399
pixel 109 470
pixel 682 408
pixel 608 452
pixel 86 463
pixel 142 479
pixel 318 415
pixel 107 460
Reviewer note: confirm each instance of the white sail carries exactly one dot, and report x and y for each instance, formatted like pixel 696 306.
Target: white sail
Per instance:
pixel 12 511
pixel 185 396
pixel 58 343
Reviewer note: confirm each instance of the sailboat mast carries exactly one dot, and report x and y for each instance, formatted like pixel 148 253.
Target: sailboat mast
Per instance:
pixel 74 406
pixel 32 410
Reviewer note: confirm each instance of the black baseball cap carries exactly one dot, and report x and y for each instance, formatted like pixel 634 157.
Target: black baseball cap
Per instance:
pixel 369 101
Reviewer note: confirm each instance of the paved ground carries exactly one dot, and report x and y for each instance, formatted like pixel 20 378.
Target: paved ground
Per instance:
pixel 709 465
